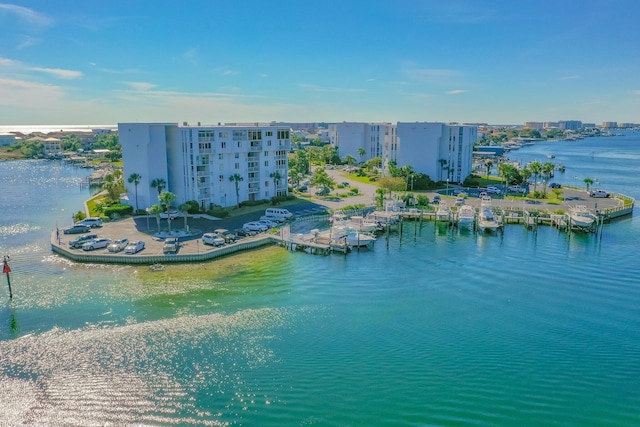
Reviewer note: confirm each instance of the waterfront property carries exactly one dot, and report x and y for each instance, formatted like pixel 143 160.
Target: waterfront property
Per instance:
pixel 221 165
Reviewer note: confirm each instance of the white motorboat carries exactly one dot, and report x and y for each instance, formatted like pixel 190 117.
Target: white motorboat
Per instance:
pixel 581 216
pixel 486 220
pixel 466 216
pixel 351 237
pixel 364 224
pixel 443 213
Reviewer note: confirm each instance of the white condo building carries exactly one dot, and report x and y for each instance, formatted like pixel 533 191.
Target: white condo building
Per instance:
pixel 197 162
pixel 439 150
pixel 350 138
pixel 444 152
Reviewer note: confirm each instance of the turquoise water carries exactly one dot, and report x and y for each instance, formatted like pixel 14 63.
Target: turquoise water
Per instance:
pixel 438 328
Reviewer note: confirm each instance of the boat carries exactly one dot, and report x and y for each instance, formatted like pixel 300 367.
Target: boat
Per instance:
pixel 551 156
pixel 581 217
pixel 466 216
pixel 443 213
pixel 364 224
pixel 560 168
pixel 486 220
pixel 351 237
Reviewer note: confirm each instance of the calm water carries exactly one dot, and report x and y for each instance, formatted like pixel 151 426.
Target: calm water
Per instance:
pixel 439 328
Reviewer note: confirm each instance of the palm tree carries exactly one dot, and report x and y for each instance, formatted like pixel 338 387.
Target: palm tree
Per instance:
pixel 380 196
pixel 166 197
pixel 184 208
pixel 159 184
pixel 156 210
pixel 488 164
pixel 276 178
pixel 547 171
pixel 236 178
pixel 536 169
pixel 443 164
pixel 135 179
pixel 349 159
pixel 588 181
pixel 362 152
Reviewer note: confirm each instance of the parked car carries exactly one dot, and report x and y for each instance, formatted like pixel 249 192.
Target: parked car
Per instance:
pixel 302 188
pixel 324 191
pixel 171 245
pixel 516 189
pixel 244 232
pixel 134 247
pixel 212 239
pixel 555 185
pixel 255 226
pixel 436 198
pixel 599 193
pixel 493 190
pixel 170 215
pixel 77 229
pixel 91 222
pixel 346 184
pixel 229 237
pixel 79 241
pixel 100 242
pixel 118 245
pixel 267 222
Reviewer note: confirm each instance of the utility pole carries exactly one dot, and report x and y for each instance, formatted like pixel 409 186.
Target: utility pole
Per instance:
pixel 6 270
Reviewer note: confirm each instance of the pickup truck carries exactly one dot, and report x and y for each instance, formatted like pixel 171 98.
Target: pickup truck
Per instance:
pixel 171 245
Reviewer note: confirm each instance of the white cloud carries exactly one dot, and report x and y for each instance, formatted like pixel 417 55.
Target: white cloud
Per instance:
pixel 431 75
pixel 21 93
pixel 58 72
pixel 28 41
pixel 636 92
pixel 456 92
pixel 317 88
pixel 28 15
pixel 569 77
pixel 6 62
pixel 225 71
pixel 141 86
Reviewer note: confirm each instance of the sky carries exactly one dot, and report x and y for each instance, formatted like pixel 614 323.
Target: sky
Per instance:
pixel 490 61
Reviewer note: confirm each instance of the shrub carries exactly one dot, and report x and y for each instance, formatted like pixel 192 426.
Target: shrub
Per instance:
pixel 79 216
pixel 422 200
pixel 254 202
pixel 218 211
pixel 194 207
pixel 118 210
pixel 354 191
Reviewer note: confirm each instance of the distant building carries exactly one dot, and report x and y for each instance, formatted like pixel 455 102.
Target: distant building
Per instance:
pixel 570 124
pixel 626 125
pixel 550 125
pixel 589 125
pixel 196 162
pixel 534 125
pixel 609 125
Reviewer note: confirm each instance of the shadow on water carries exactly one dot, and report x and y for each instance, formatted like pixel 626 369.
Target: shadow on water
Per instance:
pixel 9 320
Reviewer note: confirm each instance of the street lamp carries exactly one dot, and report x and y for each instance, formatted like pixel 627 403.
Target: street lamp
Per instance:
pixel 447 186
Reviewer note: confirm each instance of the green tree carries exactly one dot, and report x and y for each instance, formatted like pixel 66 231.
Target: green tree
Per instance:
pixel 276 179
pixel 488 164
pixel 536 170
pixel 350 160
pixel 373 163
pixel 184 208
pixel 135 179
pixel 159 184
pixel 156 210
pixel 547 170
pixel 98 208
pixel 236 178
pixel 322 179
pixel 70 143
pixel 362 152
pixel 114 186
pixel 588 181
pixel 166 198
pixel 391 184
pixel 380 197
pixel 510 173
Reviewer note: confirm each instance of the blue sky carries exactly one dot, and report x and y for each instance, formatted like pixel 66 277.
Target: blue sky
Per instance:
pixel 494 61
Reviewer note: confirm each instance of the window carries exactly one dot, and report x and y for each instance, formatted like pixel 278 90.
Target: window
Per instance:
pixel 255 134
pixel 266 153
pixel 266 183
pixel 266 162
pixel 269 133
pixel 239 144
pixel 237 155
pixel 237 165
pixel 223 134
pixel 220 156
pixel 223 145
pixel 221 178
pixel 283 134
pixel 239 134
pixel 269 143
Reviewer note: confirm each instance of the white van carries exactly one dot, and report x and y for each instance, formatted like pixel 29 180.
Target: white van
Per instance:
pixel 277 214
pixel 91 222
